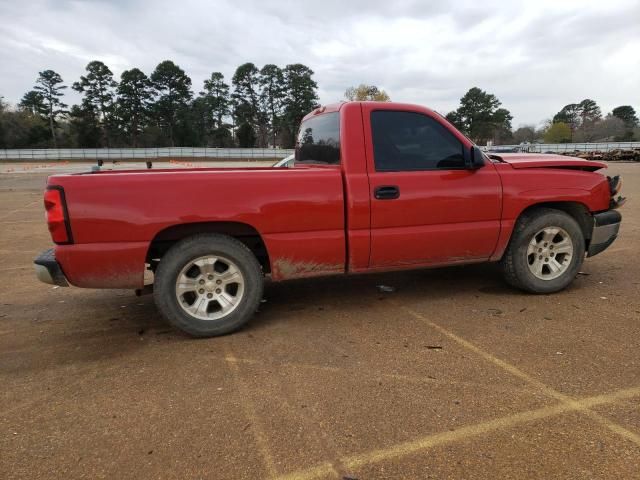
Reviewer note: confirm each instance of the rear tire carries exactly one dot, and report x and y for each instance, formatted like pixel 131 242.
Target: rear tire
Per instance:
pixel 545 253
pixel 208 285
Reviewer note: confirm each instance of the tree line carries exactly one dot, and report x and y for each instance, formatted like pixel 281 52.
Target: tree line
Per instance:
pixel 260 108
pixel 482 118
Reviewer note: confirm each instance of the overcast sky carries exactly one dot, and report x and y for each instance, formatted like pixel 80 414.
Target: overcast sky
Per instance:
pixel 536 56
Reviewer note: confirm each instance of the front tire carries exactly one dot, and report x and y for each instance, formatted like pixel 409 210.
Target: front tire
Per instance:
pixel 545 253
pixel 208 285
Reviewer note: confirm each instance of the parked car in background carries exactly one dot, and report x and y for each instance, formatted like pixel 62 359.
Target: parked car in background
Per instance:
pixel 286 162
pixel 376 186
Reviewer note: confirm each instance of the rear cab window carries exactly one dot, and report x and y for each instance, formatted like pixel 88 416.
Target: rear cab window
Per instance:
pixel 319 140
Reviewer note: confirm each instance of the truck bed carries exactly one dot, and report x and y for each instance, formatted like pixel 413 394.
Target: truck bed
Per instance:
pixel 299 214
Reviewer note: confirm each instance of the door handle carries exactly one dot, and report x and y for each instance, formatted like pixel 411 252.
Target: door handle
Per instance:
pixel 386 192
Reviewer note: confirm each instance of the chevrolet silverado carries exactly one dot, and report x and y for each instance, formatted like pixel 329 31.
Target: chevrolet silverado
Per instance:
pixel 375 187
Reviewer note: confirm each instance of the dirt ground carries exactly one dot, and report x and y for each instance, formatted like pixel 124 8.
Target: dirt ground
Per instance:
pixel 452 375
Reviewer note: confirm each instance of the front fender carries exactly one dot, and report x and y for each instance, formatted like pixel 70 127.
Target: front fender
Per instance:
pixel 515 203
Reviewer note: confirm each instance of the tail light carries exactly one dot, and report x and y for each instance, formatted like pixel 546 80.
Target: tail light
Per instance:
pixel 57 215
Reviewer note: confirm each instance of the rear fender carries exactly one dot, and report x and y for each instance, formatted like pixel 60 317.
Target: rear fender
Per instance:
pixel 103 265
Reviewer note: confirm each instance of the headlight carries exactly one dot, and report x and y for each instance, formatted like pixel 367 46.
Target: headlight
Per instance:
pixel 615 185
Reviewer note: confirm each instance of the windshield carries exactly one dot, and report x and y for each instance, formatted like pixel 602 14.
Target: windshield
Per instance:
pixel 319 140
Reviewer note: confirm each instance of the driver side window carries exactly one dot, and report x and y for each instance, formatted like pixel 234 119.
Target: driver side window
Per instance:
pixel 405 141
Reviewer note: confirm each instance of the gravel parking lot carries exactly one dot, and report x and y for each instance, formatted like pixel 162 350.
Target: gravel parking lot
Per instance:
pixel 451 375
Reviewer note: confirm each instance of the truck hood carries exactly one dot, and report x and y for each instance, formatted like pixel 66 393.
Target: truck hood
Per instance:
pixel 532 160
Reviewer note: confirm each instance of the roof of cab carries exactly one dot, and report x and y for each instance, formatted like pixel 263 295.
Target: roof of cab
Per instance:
pixel 334 107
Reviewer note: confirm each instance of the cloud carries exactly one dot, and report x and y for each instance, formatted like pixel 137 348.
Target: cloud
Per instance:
pixel 535 56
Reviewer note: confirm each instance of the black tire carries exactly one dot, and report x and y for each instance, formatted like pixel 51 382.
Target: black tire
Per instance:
pixel 201 245
pixel 515 262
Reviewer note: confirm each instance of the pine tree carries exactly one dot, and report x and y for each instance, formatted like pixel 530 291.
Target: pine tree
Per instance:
pixel 218 103
pixel 134 99
pixel 480 117
pixel 33 102
pixel 246 97
pixel 98 87
pixel 301 97
pixel 49 85
pixel 173 93
pixel 272 97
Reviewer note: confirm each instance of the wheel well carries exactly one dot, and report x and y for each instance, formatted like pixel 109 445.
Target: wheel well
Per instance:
pixel 578 211
pixel 243 232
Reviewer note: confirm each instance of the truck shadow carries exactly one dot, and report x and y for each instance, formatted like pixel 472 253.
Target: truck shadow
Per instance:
pixel 99 326
pixel 449 283
pixel 440 282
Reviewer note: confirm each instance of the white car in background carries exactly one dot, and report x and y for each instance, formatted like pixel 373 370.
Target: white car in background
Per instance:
pixel 286 162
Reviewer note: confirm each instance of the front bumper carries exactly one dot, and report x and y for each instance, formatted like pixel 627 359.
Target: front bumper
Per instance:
pixel 48 269
pixel 605 230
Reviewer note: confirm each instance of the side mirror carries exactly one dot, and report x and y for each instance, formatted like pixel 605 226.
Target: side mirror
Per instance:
pixel 475 160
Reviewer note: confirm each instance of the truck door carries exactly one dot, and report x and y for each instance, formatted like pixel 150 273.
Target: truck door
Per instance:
pixel 427 207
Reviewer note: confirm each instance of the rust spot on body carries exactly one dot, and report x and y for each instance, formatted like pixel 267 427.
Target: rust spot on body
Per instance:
pixel 285 268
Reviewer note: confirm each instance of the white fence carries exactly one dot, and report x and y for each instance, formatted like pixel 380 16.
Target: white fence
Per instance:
pixel 168 153
pixel 563 147
pixel 93 154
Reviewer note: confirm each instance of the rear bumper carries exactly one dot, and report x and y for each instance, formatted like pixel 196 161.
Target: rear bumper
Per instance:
pixel 605 230
pixel 48 269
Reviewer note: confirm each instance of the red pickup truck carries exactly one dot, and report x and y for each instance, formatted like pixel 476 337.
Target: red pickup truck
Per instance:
pixel 375 187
